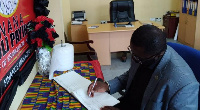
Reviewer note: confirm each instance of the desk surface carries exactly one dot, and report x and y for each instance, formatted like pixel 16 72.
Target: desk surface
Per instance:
pixel 109 27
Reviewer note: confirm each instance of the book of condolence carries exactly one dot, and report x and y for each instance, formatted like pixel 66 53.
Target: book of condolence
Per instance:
pixel 78 85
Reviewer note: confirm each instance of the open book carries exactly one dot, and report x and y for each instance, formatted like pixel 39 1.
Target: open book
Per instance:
pixel 78 85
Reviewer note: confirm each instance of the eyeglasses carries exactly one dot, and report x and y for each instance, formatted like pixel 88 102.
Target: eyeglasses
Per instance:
pixel 139 59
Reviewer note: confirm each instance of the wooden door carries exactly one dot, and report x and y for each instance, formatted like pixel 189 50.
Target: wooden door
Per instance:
pixel 190 30
pixel 182 27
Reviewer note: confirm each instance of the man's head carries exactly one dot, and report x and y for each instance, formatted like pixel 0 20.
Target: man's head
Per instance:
pixel 147 42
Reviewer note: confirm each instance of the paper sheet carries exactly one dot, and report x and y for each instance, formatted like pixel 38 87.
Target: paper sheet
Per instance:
pixel 78 85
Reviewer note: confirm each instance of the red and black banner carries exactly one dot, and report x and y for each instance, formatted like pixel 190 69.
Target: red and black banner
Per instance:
pixel 14 49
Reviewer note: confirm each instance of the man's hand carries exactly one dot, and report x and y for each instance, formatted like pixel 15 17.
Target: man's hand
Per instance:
pixel 109 108
pixel 99 87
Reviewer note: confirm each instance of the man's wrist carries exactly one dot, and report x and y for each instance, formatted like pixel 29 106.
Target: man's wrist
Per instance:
pixel 108 90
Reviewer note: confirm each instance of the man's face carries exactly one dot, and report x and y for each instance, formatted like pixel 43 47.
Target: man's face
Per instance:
pixel 138 54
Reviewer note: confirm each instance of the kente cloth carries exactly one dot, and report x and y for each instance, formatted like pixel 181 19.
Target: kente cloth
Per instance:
pixel 47 94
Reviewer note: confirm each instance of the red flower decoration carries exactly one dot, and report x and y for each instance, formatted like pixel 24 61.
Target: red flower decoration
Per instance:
pixel 40 18
pixel 33 41
pixel 43 32
pixel 52 29
pixel 39 42
pixel 50 20
pixel 48 30
pixel 38 26
pixel 43 18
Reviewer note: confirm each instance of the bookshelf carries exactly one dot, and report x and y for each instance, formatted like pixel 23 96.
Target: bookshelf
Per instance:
pixel 189 22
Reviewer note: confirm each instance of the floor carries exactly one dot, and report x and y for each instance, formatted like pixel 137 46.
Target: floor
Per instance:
pixel 118 67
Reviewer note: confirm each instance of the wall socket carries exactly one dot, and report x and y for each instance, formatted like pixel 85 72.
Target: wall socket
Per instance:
pixel 103 22
pixel 156 19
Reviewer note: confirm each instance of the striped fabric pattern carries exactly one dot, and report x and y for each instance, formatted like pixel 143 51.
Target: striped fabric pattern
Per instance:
pixel 47 94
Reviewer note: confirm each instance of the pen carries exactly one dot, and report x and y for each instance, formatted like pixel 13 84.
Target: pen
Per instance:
pixel 93 86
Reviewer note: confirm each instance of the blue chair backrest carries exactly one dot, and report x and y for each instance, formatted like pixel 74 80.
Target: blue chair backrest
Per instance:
pixel 191 56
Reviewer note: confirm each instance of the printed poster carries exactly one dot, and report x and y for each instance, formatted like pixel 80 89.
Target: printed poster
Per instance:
pixel 14 50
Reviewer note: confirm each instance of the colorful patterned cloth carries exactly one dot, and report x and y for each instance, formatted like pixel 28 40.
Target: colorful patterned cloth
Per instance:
pixel 47 94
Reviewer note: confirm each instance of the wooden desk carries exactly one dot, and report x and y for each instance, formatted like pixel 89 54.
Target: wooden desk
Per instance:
pixel 109 39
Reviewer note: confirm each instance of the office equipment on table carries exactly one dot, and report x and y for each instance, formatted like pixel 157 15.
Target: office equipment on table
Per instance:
pixel 123 25
pixel 122 11
pixel 76 22
pixel 78 15
pixel 78 85
pixel 109 39
pixel 93 27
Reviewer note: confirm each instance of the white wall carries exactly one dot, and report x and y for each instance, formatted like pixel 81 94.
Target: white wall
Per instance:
pixel 66 16
pixel 97 10
pixel 55 7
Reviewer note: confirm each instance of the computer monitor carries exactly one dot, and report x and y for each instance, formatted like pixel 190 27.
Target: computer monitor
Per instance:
pixel 122 11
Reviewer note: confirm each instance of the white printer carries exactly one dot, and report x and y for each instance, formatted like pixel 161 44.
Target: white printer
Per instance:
pixel 78 17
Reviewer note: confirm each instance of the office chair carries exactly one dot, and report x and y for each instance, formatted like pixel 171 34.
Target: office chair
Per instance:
pixel 122 11
pixel 191 56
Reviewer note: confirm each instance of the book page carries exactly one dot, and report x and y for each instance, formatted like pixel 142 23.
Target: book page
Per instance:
pixel 78 85
pixel 94 103
pixel 72 81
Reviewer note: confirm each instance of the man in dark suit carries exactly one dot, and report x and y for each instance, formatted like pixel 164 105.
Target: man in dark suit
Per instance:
pixel 158 79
